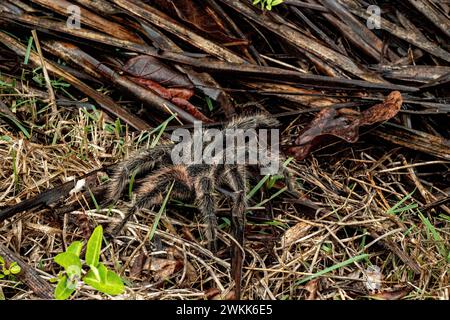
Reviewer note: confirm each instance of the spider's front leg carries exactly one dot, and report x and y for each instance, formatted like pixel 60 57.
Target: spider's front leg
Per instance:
pixel 143 162
pixel 152 189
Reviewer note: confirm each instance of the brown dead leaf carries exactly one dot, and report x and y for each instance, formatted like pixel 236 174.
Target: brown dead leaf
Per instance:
pixel 190 108
pixel 212 293
pixel 312 287
pixel 166 93
pixel 191 273
pixel 383 111
pixel 344 124
pixel 294 233
pixel 163 268
pixel 228 296
pixel 201 17
pixel 138 264
pixel 151 68
pixel 396 294
pixel 179 96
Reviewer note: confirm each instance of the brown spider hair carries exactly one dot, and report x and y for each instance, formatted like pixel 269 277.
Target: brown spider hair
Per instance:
pixel 190 181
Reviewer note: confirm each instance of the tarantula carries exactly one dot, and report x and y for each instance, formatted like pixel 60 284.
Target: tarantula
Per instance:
pixel 197 182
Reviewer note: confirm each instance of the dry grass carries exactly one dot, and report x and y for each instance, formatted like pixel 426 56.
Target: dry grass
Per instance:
pixel 364 202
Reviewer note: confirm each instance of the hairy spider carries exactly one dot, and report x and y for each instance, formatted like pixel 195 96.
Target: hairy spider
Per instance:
pixel 197 182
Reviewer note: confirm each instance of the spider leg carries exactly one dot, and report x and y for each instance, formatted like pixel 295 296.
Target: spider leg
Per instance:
pixel 204 188
pixel 254 121
pixel 143 162
pixel 287 178
pixel 236 179
pixel 154 188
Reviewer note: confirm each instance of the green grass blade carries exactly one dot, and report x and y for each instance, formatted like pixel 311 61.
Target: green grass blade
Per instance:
pixel 131 184
pixel 28 52
pixel 276 194
pixel 17 123
pixel 257 187
pixel 437 238
pixel 394 209
pixel 97 207
pixel 160 212
pixel 161 128
pixel 209 103
pixel 332 268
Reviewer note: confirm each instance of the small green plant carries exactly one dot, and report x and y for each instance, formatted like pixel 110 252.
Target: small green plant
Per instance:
pixel 267 4
pixel 12 270
pixel 98 276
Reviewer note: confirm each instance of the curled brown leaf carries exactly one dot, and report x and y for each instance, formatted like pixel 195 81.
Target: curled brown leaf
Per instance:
pixel 151 68
pixel 395 294
pixel 344 124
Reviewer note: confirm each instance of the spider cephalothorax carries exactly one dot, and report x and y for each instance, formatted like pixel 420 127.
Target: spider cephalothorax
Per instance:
pixel 190 181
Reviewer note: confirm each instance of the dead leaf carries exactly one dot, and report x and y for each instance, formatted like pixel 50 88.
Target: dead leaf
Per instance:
pixel 169 84
pixel 312 287
pixel 383 111
pixel 294 233
pixel 231 295
pixel 191 273
pixel 166 93
pixel 151 68
pixel 396 294
pixel 163 268
pixel 212 293
pixel 190 108
pixel 200 17
pixel 138 264
pixel 344 124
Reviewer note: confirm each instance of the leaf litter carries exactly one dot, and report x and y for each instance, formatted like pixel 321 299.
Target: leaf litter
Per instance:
pixel 316 66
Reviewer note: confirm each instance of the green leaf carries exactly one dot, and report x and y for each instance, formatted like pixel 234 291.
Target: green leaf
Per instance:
pixel 94 247
pixel 14 268
pixel 63 289
pixel 75 248
pixel 276 2
pixel 104 280
pixel 67 259
pixel 70 262
pixel 54 280
pixel 276 194
pixel 1 260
